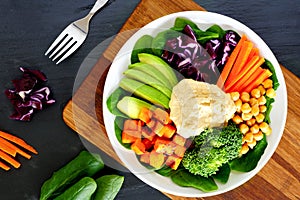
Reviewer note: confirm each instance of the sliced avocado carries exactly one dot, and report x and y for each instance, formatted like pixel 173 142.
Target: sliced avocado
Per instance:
pixel 152 71
pixel 145 92
pixel 160 65
pixel 147 79
pixel 132 106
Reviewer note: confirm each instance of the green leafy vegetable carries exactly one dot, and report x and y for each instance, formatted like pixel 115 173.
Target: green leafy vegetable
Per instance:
pixel 83 189
pixel 249 161
pixel 213 148
pixel 113 100
pixel 108 187
pixel 142 45
pixel 223 174
pixel 185 179
pixel 165 171
pixel 274 78
pixel 85 164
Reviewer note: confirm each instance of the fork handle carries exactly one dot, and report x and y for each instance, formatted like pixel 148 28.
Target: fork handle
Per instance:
pixel 99 4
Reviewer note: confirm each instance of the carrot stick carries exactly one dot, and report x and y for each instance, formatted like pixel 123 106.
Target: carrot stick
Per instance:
pixel 248 78
pixel 7 148
pixel 18 141
pixel 249 67
pixel 227 68
pixel 4 166
pixel 17 150
pixel 9 159
pixel 254 52
pixel 266 74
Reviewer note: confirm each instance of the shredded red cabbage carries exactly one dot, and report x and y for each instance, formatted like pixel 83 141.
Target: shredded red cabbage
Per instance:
pixel 187 56
pixel 29 94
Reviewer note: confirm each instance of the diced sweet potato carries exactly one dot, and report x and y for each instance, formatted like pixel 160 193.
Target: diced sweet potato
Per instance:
pixel 156 159
pixel 148 143
pixel 157 129
pixel 138 147
pixel 148 133
pixel 167 131
pixel 145 115
pixel 152 124
pixel 130 136
pixel 173 161
pixel 179 150
pixel 131 124
pixel 162 115
pixel 178 139
pixel 145 158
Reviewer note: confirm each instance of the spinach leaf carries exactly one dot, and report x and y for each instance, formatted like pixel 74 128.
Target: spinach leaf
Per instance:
pixel 118 123
pixel 180 23
pixel 223 174
pixel 269 106
pixel 185 179
pixel 113 100
pixel 249 161
pixel 85 164
pixel 165 171
pixel 142 45
pixel 108 187
pixel 269 65
pixel 218 30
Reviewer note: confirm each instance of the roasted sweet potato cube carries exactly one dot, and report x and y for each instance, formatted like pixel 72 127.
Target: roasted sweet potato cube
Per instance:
pixel 179 150
pixel 178 139
pixel 131 124
pixel 158 129
pixel 130 136
pixel 156 159
pixel 138 147
pixel 151 124
pixel 145 115
pixel 148 133
pixel 163 146
pixel 173 161
pixel 148 143
pixel 145 158
pixel 168 131
pixel 162 115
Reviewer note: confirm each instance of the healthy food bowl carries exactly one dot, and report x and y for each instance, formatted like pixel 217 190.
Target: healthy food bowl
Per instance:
pixel 144 163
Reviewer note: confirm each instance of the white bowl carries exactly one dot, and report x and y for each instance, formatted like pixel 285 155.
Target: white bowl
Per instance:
pixel 120 64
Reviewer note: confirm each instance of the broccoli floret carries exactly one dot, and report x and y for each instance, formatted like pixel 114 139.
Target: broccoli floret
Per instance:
pixel 213 148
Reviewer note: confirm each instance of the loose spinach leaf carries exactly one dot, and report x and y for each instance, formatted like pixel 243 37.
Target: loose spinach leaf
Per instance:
pixel 185 179
pixel 180 23
pixel 269 65
pixel 223 174
pixel 108 187
pixel 113 100
pixel 142 45
pixel 166 171
pixel 119 122
pixel 249 161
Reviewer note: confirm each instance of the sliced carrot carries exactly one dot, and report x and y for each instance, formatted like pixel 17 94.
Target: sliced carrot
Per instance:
pixel 241 59
pixel 254 52
pixel 7 148
pixel 15 148
pixel 250 66
pixel 9 159
pixel 4 166
pixel 265 74
pixel 18 141
pixel 252 74
pixel 228 66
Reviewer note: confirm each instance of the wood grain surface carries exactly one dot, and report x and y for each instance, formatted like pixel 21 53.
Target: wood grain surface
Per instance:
pixel 279 179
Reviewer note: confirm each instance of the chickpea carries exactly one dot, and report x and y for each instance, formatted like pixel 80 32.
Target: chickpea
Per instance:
pixel 245 97
pixel 262 108
pixel 246 108
pixel 244 149
pixel 258 136
pixel 251 144
pixel 262 100
pixel 248 137
pixel 244 128
pixel 253 101
pixel 255 93
pixel 268 83
pixel 254 129
pixel 250 122
pixel 271 93
pixel 255 110
pixel 265 128
pixel 238 105
pixel 260 118
pixel 235 96
pixel 246 116
pixel 237 119
pixel 262 90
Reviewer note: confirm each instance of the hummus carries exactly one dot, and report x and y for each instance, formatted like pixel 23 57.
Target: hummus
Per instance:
pixel 196 105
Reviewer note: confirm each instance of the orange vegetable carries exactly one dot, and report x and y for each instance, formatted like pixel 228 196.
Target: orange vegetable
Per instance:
pixel 148 133
pixel 130 136
pixel 4 166
pixel 9 159
pixel 178 139
pixel 168 131
pixel 162 115
pixel 148 143
pixel 179 151
pixel 156 159
pixel 254 52
pixel 228 66
pixel 6 148
pixel 256 82
pixel 138 147
pixel 132 124
pixel 18 141
pixel 173 161
pixel 145 115
pixel 145 158
pixel 4 143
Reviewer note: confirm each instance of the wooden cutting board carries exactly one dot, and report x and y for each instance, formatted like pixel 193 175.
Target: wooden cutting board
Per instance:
pixel 279 178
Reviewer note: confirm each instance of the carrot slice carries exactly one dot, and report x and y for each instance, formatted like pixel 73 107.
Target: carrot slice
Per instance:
pixel 254 52
pixel 263 76
pixel 7 148
pixel 15 148
pixel 4 166
pixel 18 141
pixel 9 159
pixel 249 67
pixel 228 66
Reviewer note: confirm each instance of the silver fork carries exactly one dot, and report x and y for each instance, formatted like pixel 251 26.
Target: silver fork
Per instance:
pixel 73 35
